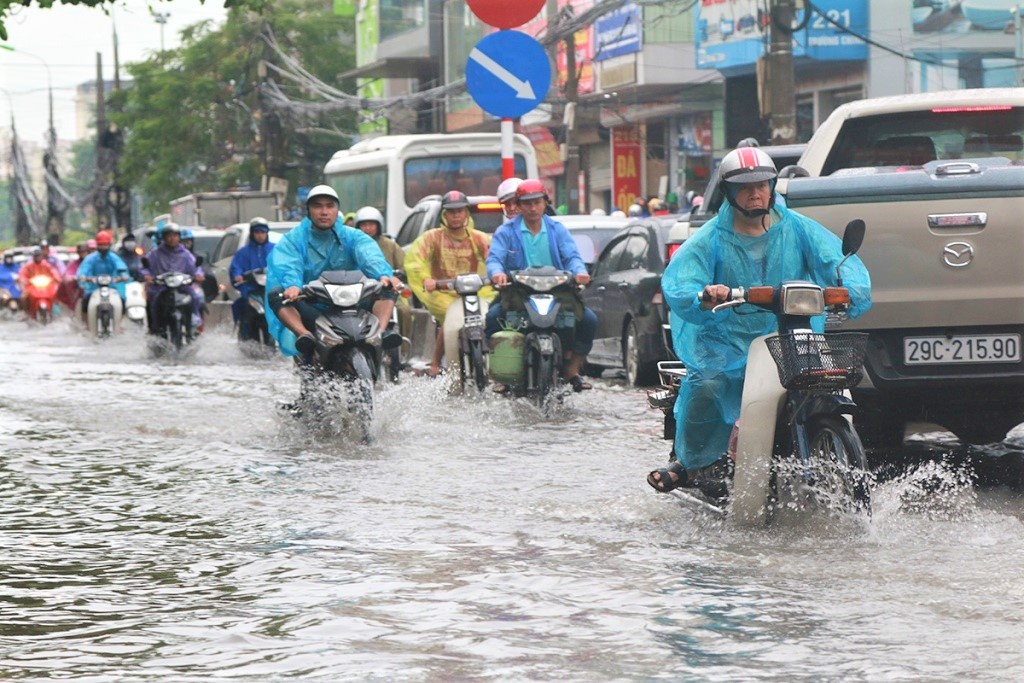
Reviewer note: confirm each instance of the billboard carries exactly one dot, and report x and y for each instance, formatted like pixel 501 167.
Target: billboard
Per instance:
pixel 618 33
pixel 961 16
pixel 731 34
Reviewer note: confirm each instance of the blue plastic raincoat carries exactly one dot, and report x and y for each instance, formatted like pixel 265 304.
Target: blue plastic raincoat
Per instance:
pixel 713 346
pixel 98 263
pixel 295 261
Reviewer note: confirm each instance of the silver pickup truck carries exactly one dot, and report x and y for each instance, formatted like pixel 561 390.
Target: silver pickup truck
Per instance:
pixel 939 180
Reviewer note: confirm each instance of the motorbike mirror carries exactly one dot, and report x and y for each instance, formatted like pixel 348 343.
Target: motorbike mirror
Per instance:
pixel 853 236
pixel 199 261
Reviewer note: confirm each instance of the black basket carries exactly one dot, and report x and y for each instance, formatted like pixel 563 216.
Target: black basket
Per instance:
pixel 819 362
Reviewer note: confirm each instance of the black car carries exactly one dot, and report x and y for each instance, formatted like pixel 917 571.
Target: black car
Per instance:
pixel 625 293
pixel 591 233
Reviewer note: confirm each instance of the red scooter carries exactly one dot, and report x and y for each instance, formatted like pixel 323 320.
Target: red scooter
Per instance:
pixel 41 292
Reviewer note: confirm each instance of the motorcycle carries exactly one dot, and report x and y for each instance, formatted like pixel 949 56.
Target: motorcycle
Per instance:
pixel 174 310
pixel 105 307
pixel 253 323
pixel 392 360
pixel 42 294
pixel 135 302
pixel 794 434
pixel 9 304
pixel 348 343
pixel 464 337
pixel 527 356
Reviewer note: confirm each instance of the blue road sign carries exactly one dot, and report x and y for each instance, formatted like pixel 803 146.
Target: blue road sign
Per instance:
pixel 508 74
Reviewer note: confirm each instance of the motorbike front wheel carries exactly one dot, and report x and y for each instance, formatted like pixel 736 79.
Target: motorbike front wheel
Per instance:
pixel 839 468
pixel 104 326
pixel 361 379
pixel 473 365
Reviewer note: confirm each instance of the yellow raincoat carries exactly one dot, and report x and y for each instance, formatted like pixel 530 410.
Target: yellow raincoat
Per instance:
pixel 435 254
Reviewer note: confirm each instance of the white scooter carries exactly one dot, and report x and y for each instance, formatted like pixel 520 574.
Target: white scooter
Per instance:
pixel 105 307
pixel 794 428
pixel 135 302
pixel 465 345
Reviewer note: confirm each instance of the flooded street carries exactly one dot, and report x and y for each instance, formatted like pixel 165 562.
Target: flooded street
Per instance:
pixel 169 523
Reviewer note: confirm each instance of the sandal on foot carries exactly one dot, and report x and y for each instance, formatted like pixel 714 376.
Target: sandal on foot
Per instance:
pixel 499 388
pixel 664 483
pixel 578 384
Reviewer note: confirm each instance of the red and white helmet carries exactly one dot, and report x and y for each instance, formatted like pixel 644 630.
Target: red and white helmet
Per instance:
pixel 531 189
pixel 747 165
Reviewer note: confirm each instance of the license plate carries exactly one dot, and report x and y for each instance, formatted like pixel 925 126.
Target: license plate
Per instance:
pixel 473 321
pixel 974 348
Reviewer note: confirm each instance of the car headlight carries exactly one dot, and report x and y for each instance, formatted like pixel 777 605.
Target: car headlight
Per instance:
pixel 344 295
pixel 802 298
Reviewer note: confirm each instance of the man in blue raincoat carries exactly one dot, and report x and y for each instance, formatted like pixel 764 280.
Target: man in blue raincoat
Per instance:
pixel 250 257
pixel 103 261
pixel 753 241
pixel 321 242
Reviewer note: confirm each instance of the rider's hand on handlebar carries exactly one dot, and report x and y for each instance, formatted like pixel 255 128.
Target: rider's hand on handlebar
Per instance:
pixel 714 295
pixel 148 279
pixel 392 283
pixel 292 293
pixel 582 279
pixel 429 284
pixel 499 279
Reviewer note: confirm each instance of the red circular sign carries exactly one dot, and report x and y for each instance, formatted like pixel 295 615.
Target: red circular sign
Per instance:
pixel 505 13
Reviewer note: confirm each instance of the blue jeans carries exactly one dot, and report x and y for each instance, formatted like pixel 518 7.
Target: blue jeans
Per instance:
pixel 583 340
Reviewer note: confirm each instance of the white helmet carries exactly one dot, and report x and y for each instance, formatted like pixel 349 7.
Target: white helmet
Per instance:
pixel 747 165
pixel 507 189
pixel 598 212
pixel 367 214
pixel 635 210
pixel 323 191
pixel 618 213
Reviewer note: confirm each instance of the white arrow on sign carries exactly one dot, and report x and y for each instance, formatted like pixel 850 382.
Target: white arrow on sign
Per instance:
pixel 523 88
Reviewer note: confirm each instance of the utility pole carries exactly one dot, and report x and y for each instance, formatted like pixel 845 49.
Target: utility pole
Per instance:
pixel 572 150
pixel 781 87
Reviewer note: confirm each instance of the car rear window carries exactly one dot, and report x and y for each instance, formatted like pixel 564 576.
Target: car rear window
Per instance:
pixel 916 138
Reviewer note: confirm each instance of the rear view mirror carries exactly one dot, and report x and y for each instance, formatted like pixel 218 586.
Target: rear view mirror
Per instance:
pixel 853 236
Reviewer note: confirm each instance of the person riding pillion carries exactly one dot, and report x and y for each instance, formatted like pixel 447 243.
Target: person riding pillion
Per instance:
pixel 454 248
pixel 753 240
pixel 252 256
pixel 371 221
pixel 103 261
pixel 319 243
pixel 507 197
pixel 534 239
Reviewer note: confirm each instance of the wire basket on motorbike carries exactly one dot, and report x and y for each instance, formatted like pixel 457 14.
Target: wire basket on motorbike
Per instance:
pixel 819 362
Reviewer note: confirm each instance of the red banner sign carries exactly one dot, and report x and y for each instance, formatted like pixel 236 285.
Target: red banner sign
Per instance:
pixel 627 165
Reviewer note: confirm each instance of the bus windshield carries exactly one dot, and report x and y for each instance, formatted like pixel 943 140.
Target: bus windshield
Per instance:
pixel 370 185
pixel 471 174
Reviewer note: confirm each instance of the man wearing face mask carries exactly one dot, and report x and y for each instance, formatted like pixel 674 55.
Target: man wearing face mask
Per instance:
pixel 130 256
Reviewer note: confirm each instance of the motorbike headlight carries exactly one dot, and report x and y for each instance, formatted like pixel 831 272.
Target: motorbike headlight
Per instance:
pixel 40 281
pixel 542 283
pixel 260 278
pixel 469 283
pixel 344 295
pixel 103 280
pixel 174 280
pixel 802 298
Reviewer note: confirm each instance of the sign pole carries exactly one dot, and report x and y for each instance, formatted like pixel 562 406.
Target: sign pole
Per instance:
pixel 508 160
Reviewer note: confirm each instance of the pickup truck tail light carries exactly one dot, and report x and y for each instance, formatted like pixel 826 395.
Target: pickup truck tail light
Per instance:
pixel 671 249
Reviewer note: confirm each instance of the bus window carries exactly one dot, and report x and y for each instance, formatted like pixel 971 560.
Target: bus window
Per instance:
pixel 472 174
pixel 363 187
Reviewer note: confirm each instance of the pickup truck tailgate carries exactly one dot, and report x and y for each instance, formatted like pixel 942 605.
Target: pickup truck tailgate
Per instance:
pixel 947 244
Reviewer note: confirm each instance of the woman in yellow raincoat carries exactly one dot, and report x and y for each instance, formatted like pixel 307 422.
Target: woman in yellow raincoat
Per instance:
pixel 454 248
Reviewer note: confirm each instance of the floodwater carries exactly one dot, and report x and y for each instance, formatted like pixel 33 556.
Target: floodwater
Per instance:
pixel 168 522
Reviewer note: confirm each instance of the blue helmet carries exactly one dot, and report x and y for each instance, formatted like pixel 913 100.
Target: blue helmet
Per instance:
pixel 186 234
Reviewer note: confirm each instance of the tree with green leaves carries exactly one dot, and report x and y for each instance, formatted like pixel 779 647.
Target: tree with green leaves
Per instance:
pixel 195 118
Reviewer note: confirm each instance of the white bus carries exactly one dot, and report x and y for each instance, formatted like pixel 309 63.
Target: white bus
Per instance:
pixel 393 172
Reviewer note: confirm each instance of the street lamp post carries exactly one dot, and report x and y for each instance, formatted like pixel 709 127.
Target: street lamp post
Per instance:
pixel 161 18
